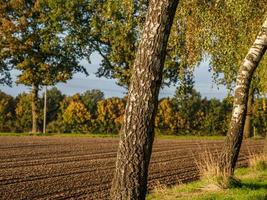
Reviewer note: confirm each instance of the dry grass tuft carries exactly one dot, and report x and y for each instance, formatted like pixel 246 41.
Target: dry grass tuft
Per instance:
pixel 209 170
pixel 207 165
pixel 160 188
pixel 211 188
pixel 258 162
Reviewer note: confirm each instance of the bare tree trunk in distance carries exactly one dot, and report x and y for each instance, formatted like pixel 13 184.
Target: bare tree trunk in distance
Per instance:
pixel 137 133
pixel 232 144
pixel 248 125
pixel 45 110
pixel 34 108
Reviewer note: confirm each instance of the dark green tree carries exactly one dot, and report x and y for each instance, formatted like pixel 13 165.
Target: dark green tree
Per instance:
pixel 214 117
pixel 54 97
pixel 24 113
pixel 37 40
pixel 90 98
pixel 7 112
pixel 187 101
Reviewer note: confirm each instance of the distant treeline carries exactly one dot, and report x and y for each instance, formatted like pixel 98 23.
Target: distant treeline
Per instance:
pixel 90 112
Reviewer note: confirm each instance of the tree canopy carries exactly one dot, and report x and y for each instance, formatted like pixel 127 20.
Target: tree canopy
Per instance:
pixel 36 41
pixel 223 31
pixel 196 35
pixel 116 27
pixel 39 39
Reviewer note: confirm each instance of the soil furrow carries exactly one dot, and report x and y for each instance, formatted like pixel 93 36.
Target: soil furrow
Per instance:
pixel 82 168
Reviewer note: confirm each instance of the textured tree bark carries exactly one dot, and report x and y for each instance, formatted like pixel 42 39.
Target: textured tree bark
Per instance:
pixel 34 108
pixel 248 130
pixel 137 133
pixel 232 144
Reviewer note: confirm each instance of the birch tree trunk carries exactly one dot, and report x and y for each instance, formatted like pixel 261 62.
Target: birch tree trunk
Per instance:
pixel 248 125
pixel 232 144
pixel 137 133
pixel 34 108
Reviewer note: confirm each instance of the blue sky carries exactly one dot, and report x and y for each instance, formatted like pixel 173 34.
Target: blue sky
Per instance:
pixel 81 83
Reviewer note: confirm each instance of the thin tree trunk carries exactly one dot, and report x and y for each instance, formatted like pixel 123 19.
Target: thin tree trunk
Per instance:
pixel 264 102
pixel 248 125
pixel 137 133
pixel 34 108
pixel 232 144
pixel 45 110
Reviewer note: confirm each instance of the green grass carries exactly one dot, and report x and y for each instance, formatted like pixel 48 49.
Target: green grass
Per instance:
pixel 90 135
pixel 105 135
pixel 190 137
pixel 253 186
pixel 17 134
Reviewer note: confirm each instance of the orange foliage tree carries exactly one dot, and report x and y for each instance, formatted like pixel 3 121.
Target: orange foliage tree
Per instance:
pixel 76 117
pixel 110 114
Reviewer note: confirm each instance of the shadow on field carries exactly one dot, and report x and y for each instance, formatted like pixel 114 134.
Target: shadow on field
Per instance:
pixel 253 186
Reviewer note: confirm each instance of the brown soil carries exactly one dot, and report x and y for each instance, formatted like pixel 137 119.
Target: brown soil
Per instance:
pixel 82 168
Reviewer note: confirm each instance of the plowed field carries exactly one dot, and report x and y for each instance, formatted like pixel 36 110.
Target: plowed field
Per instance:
pixel 82 168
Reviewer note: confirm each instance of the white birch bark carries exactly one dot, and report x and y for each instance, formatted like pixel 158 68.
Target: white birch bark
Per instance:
pixel 137 134
pixel 229 155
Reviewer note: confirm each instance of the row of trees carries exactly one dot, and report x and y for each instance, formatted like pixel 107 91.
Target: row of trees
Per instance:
pixel 185 113
pixel 45 40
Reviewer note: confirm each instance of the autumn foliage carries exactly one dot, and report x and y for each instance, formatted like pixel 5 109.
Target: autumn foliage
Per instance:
pixel 90 112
